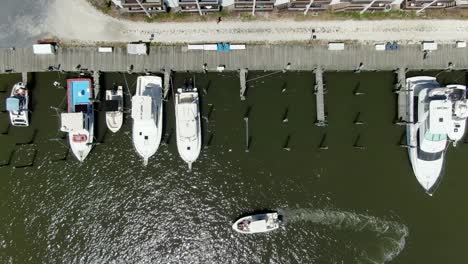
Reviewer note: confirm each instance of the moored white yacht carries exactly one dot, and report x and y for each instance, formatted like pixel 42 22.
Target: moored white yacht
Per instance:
pixel 79 121
pixel 188 125
pixel 435 116
pixel 147 108
pixel 257 223
pixel 114 118
pixel 18 105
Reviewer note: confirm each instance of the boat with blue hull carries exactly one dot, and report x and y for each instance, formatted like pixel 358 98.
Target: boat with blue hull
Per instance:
pixel 78 122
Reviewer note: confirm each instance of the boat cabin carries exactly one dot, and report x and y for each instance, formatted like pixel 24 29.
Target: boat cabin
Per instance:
pixel 72 122
pixel 79 95
pixel 141 108
pixel 440 113
pixel 109 106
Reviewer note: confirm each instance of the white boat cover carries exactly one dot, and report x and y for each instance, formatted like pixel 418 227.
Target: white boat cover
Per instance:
pixel 259 226
pixel 141 107
pixel 188 113
pixel 72 122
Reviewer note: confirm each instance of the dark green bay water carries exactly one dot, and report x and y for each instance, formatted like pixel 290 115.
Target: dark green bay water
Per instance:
pixel 341 205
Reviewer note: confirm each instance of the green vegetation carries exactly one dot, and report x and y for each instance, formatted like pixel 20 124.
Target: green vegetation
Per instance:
pixel 376 15
pixel 105 6
pixel 247 16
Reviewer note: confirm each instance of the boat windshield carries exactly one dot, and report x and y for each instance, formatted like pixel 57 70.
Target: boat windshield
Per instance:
pixel 428 156
pixel 435 137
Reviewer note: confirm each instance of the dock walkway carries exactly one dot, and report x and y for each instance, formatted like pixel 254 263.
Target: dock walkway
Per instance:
pixel 402 95
pixel 243 82
pixel 319 95
pixel 255 57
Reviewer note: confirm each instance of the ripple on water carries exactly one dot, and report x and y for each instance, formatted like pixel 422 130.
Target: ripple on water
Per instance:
pixel 112 209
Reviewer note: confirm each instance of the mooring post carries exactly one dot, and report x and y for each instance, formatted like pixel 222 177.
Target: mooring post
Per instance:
pixel 323 142
pixel 357 143
pixel 285 115
pixel 246 119
pixel 358 120
pixel 286 143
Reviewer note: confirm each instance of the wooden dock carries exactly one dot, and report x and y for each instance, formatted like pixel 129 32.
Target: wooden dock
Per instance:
pixel 255 57
pixel 167 82
pixel 243 82
pixel 320 97
pixel 97 83
pixel 24 77
pixel 400 88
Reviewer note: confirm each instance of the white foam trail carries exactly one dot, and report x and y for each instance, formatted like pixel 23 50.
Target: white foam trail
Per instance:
pixel 392 232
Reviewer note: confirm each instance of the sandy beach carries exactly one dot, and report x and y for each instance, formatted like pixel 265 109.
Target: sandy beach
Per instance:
pixel 77 20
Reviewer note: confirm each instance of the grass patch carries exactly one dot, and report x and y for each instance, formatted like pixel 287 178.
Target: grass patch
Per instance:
pixel 105 6
pixel 397 14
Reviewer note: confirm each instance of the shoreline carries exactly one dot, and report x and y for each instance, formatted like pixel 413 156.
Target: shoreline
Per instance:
pixel 88 25
pixel 229 14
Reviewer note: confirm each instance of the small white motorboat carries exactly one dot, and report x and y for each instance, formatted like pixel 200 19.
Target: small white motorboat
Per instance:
pixel 114 117
pixel 18 105
pixel 147 108
pixel 78 122
pixel 257 223
pixel 188 125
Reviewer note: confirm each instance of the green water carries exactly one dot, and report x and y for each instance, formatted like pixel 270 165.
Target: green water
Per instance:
pixel 341 205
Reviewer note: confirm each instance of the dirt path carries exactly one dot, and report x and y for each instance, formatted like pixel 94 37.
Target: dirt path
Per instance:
pixel 77 20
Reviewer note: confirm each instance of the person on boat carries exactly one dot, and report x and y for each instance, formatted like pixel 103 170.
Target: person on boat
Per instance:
pixel 244 225
pixel 21 91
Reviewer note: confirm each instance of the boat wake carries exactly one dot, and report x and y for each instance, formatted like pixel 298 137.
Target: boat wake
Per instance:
pixel 392 234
